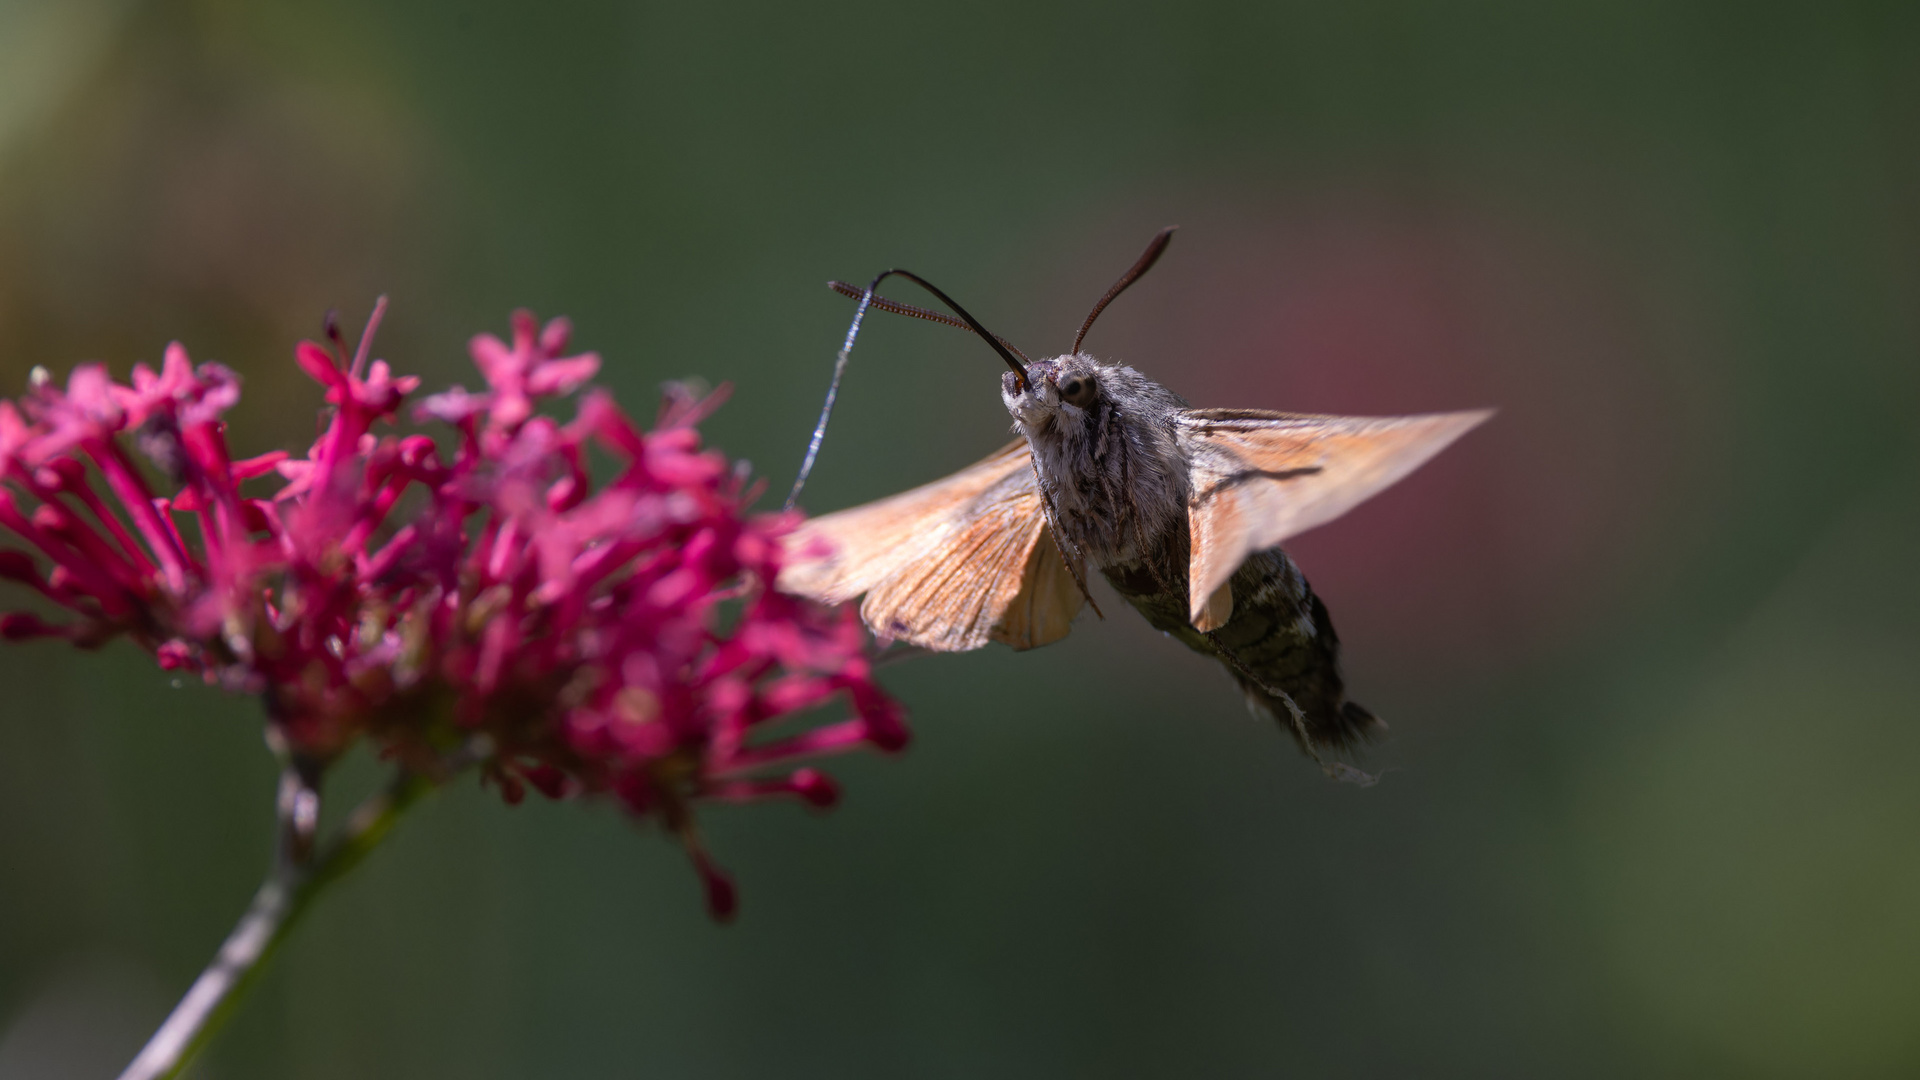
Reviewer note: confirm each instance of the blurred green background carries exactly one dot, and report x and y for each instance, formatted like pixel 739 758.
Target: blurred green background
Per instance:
pixel 1649 642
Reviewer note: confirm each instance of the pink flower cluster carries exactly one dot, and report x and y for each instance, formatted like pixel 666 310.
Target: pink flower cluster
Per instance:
pixel 487 595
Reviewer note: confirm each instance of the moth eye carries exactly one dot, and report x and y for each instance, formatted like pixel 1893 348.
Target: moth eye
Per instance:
pixel 1075 390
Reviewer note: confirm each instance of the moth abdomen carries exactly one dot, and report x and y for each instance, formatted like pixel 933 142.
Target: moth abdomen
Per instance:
pixel 1282 638
pixel 1279 644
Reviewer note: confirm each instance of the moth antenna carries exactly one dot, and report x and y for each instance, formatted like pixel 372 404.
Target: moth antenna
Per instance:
pixel 1155 248
pixel 973 324
pixel 867 300
pixel 854 292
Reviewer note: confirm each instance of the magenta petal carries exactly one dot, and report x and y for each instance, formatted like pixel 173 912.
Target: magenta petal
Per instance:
pixel 563 376
pixel 318 364
pixel 263 465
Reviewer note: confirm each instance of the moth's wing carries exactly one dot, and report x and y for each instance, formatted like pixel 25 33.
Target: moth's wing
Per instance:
pixel 1260 477
pixel 838 556
pixel 1042 611
pixel 947 566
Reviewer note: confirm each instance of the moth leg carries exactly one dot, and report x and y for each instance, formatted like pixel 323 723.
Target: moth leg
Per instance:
pixel 1069 551
pixel 898 653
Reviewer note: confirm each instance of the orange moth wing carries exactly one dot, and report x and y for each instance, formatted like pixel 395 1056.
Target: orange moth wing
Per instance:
pixel 1257 478
pixel 947 566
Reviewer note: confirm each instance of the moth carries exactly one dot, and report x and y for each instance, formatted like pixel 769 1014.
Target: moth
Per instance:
pixel 1181 510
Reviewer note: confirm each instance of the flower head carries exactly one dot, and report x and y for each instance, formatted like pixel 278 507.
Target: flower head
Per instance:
pixel 485 600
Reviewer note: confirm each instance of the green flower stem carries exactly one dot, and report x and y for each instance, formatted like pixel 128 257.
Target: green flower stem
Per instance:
pixel 282 899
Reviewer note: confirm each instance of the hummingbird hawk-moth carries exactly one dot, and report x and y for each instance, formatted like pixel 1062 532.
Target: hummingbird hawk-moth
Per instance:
pixel 1182 510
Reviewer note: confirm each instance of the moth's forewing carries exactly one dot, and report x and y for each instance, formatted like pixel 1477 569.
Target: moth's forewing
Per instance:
pixel 947 566
pixel 836 557
pixel 1258 478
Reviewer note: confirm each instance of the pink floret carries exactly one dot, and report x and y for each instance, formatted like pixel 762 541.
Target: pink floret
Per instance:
pixel 618 638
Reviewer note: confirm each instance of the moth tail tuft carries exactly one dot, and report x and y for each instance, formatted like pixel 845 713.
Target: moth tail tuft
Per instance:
pixel 1359 723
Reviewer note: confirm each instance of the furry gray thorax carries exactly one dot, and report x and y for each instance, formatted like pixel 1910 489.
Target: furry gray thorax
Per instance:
pixel 1107 458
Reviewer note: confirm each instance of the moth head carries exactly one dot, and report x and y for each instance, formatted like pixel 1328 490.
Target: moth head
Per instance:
pixel 1063 388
